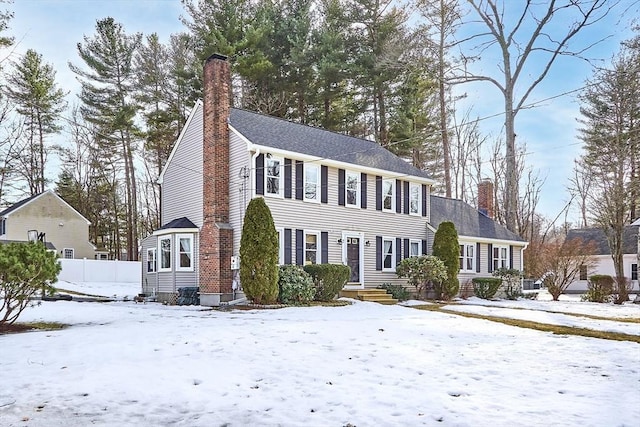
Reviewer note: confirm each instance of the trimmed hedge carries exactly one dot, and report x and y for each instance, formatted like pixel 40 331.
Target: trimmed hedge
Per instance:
pixel 599 288
pixel 486 287
pixel 295 284
pixel 328 279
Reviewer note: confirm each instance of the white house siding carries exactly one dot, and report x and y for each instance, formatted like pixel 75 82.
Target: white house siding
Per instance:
pixel 182 180
pixel 149 280
pixel 604 265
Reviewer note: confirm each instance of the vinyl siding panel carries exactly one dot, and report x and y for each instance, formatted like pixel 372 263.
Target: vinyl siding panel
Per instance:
pixel 149 280
pixel 182 181
pixel 240 191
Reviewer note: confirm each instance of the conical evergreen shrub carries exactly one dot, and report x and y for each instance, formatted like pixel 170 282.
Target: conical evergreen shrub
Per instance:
pixel 259 254
pixel 446 247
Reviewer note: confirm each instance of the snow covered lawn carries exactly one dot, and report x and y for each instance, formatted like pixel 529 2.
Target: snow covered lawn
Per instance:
pixel 127 364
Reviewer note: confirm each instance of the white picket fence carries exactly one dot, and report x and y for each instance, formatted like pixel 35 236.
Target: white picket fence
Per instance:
pixel 93 270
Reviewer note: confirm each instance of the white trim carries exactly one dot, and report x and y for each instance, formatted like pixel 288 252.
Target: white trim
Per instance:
pixel 393 254
pixel 280 231
pixel 318 249
pixel 465 256
pixel 306 167
pixel 477 239
pixel 178 252
pixel 164 231
pixel 194 110
pixel 162 269
pixel 155 260
pixel 506 258
pixel 64 253
pixel 360 236
pixel 358 188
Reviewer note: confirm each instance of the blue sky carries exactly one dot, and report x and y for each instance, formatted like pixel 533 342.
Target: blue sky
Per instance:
pixel 54 27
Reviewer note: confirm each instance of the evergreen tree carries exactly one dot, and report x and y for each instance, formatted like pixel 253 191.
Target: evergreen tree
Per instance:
pixel 107 88
pixel 33 89
pixel 446 247
pixel 259 254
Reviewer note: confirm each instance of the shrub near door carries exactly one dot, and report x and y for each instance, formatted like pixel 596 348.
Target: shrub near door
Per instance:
pixel 328 279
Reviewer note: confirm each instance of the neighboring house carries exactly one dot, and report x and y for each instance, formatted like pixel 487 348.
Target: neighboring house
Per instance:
pixel 604 263
pixel 333 198
pixel 48 217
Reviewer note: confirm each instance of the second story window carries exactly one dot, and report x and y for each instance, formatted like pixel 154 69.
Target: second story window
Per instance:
pixel 351 187
pixel 415 199
pixel 311 182
pixel 272 166
pixel 388 195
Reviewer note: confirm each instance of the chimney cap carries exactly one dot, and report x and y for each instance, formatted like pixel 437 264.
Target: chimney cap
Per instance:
pixel 216 56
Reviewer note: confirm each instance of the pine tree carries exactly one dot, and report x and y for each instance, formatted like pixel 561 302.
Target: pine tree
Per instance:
pixel 259 254
pixel 446 247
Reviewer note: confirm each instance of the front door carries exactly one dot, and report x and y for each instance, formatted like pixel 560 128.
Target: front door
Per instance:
pixel 353 258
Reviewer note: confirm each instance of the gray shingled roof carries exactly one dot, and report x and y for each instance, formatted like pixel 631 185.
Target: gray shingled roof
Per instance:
pixel 183 222
pixel 17 205
pixel 596 235
pixel 468 220
pixel 284 135
pixel 47 245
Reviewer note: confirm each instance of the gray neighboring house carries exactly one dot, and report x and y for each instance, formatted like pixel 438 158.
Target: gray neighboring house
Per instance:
pixel 604 263
pixel 334 199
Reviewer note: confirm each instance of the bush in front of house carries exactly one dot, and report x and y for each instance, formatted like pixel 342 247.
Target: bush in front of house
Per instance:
pixel 398 292
pixel 296 285
pixel 25 270
pixel 259 254
pixel 446 247
pixel 486 287
pixel 511 279
pixel 328 279
pixel 423 272
pixel 599 288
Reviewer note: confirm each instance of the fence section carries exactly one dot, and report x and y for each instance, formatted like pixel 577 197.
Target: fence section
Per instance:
pixel 93 270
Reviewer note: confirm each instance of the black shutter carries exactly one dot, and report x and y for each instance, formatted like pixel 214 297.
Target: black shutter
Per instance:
pixel 260 174
pixel 363 190
pixel 299 180
pixel 510 256
pixel 424 247
pixel 299 247
pixel 424 200
pixel 324 186
pixel 477 257
pixel 324 244
pixel 490 268
pixel 378 193
pixel 287 246
pixel 287 178
pixel 378 253
pixel 341 187
pixel 398 196
pixel 406 248
pixel 406 197
pixel 398 250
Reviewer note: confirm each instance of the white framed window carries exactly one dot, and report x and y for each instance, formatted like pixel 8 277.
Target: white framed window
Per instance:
pixel 388 254
pixel 164 249
pixel 500 257
pixel 280 232
pixel 311 182
pixel 467 252
pixel 352 189
pixel 184 248
pixel 67 253
pixel 151 260
pixel 388 195
pixel 311 247
pixel 273 176
pixel 414 247
pixel 415 198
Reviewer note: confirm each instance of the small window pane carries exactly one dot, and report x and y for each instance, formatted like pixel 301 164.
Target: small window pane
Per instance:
pixel 185 252
pixel 387 253
pixel 352 189
pixel 311 182
pixel 311 249
pixel 165 253
pixel 387 193
pixel 414 202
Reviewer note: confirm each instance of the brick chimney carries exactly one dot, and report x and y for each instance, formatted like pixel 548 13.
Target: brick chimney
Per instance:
pixel 216 235
pixel 485 197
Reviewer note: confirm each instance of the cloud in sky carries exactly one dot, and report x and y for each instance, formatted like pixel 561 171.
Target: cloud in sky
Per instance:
pixel 54 27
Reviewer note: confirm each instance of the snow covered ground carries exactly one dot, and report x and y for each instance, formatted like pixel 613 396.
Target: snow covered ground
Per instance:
pixel 127 364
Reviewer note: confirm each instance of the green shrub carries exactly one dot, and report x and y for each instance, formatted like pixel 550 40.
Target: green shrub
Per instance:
pixel 511 282
pixel 599 288
pixel 259 254
pixel 328 279
pixel 397 291
pixel 295 284
pixel 486 287
pixel 447 248
pixel 424 272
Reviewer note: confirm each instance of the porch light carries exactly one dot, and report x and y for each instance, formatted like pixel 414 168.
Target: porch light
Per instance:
pixel 339 241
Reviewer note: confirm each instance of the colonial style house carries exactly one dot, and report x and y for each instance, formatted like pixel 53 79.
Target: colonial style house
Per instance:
pixel 46 216
pixel 603 261
pixel 334 199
